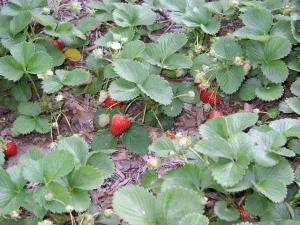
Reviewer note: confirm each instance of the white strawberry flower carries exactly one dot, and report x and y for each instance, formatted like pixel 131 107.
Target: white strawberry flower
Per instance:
pixel 59 98
pixel 45 74
pixel 114 45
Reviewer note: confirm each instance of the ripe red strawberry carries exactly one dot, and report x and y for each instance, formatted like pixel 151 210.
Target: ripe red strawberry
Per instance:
pixel 110 102
pixel 10 149
pixel 215 114
pixel 119 124
pixel 58 44
pixel 209 97
pixel 171 135
pixel 244 216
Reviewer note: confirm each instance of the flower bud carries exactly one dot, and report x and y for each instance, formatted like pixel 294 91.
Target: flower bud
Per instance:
pixel 108 213
pixel 179 73
pixel 55 125
pixel 206 107
pixel 191 94
pixel 172 153
pixel 238 60
pixel 102 96
pixel 75 6
pixel 15 214
pixel 46 10
pixel 69 208
pixel 153 163
pixel 45 222
pixel 246 67
pixel 205 68
pixel 256 110
pixel 204 200
pixel 98 53
pixel 184 142
pixel 49 197
pixel 199 77
pixel 103 120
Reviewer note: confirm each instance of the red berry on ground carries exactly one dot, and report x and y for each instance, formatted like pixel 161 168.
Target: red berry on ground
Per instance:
pixel 171 135
pixel 119 124
pixel 210 97
pixel 110 102
pixel 11 149
pixel 244 216
pixel 215 114
pixel 58 44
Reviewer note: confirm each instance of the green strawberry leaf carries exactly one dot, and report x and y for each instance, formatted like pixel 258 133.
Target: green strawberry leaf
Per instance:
pixel 276 71
pixel 294 104
pixel 273 189
pixel 230 79
pixel 10 68
pixel 162 146
pixel 226 213
pixel 269 93
pixel 194 219
pixel 178 202
pixel 127 15
pixel 85 178
pixel 76 146
pixel 103 163
pixel 174 109
pixel 247 90
pixel 136 205
pixel 136 139
pixel 133 49
pixel 158 89
pixel 29 109
pixel 131 71
pixel 24 125
pixel 226 48
pixel 295 88
pixel 80 200
pixel 276 48
pixel 57 164
pixel 123 90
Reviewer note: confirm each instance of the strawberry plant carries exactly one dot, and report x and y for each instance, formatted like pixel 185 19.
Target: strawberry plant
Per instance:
pixel 147 70
pixel 226 159
pixel 60 180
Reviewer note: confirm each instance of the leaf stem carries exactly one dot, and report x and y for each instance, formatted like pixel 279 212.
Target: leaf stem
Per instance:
pixel 34 86
pixel 158 121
